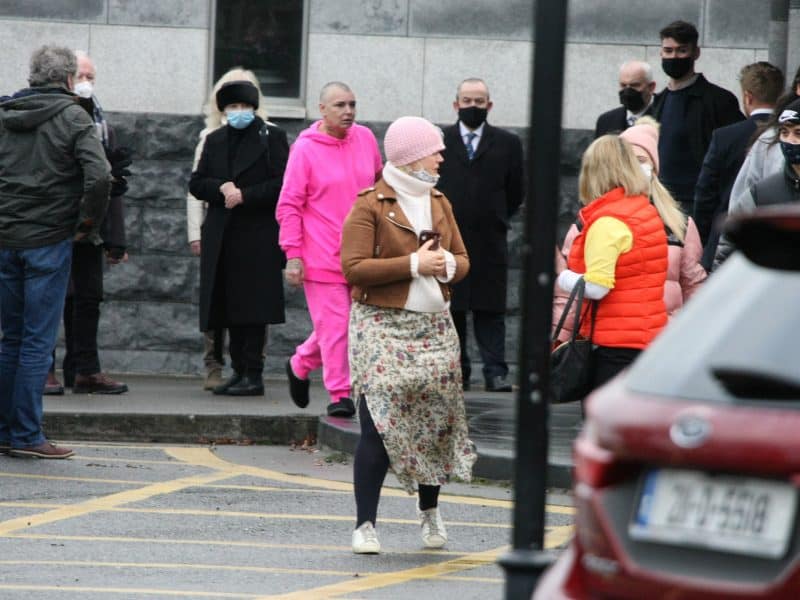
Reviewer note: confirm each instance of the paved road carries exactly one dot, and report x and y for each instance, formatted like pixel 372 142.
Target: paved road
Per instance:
pixel 257 522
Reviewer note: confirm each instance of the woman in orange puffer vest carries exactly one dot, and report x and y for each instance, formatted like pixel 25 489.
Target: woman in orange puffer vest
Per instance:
pixel 621 252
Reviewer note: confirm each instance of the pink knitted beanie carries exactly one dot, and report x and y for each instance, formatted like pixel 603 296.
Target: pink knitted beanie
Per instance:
pixel 646 137
pixel 409 139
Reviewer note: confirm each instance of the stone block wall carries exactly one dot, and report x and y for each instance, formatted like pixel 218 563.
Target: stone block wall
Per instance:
pixel 149 321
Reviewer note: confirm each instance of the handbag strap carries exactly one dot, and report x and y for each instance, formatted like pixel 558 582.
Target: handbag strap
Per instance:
pixel 575 297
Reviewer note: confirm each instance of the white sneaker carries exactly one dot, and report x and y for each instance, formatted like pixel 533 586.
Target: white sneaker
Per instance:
pixel 365 539
pixel 434 534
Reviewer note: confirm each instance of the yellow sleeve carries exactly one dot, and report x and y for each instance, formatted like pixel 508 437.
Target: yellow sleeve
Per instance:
pixel 606 239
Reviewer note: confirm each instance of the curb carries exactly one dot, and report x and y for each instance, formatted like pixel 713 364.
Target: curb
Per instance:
pixel 181 429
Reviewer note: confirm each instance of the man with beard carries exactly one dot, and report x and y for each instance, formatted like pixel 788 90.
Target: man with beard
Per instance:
pixel 636 88
pixel 482 177
pixel 689 109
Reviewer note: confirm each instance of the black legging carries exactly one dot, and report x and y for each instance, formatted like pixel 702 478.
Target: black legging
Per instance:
pixel 369 470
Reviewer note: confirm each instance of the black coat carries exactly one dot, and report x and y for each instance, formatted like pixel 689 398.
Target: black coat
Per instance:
pixel 485 193
pixel 709 106
pixel 721 165
pixel 615 121
pixel 240 260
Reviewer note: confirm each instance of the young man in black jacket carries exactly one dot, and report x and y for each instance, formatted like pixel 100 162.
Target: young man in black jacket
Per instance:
pixel 689 109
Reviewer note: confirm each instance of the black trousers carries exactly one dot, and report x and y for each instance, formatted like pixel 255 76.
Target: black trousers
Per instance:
pixel 247 348
pixel 370 465
pixel 490 334
pixel 82 310
pixel 608 362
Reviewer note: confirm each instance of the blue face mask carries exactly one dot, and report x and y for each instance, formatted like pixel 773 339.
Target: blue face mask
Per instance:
pixel 239 119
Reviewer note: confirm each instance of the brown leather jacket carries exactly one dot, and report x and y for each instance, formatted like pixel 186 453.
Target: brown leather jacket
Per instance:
pixel 378 239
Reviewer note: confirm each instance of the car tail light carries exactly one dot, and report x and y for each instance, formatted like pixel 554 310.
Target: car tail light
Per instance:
pixel 596 466
pixel 588 527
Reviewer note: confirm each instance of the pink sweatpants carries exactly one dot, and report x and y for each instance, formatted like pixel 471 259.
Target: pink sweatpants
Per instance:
pixel 326 347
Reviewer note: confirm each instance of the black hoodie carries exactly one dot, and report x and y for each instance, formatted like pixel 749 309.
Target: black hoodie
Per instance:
pixel 55 177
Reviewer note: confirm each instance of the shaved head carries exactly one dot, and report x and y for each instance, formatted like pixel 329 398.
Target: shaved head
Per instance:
pixel 324 93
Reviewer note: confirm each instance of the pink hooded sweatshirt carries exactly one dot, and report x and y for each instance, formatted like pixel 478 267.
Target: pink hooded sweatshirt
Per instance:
pixel 322 180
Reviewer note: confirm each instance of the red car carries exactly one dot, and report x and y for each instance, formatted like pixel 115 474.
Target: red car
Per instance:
pixel 688 466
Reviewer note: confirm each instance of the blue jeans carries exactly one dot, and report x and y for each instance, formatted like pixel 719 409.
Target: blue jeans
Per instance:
pixel 33 284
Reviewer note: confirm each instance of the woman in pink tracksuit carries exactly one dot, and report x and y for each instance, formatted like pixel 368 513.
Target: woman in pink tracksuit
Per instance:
pixel 329 163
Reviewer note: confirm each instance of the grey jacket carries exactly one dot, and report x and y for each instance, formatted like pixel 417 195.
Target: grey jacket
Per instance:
pixel 55 178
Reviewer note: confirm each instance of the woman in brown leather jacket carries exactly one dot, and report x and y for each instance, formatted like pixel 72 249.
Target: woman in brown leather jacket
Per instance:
pixel 401 249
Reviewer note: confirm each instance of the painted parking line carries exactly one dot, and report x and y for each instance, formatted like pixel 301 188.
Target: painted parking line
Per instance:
pixel 381 580
pixel 203 457
pixel 453 568
pixel 158 593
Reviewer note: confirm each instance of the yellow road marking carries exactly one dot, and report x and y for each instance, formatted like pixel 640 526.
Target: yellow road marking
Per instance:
pixel 176 566
pixel 228 543
pixel 380 580
pixel 203 457
pixel 246 515
pixel 78 479
pixel 142 461
pixel 107 502
pixel 128 591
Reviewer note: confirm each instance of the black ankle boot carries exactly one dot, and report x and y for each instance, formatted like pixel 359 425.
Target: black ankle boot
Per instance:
pixel 222 389
pixel 250 385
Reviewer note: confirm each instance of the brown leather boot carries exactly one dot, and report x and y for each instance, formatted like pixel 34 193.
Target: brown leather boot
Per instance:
pixel 98 383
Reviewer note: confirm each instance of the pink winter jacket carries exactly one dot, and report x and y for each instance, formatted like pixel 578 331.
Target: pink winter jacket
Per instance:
pixel 323 178
pixel 684 275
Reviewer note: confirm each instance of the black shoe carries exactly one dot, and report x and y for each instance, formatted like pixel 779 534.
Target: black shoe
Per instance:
pixel 466 385
pixel 498 383
pixel 298 388
pixel 343 408
pixel 222 390
pixel 252 385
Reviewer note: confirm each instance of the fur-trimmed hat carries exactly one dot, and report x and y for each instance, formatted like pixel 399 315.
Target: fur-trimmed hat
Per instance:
pixel 409 139
pixel 237 91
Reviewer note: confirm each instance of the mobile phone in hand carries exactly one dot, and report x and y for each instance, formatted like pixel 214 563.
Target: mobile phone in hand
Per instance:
pixel 429 234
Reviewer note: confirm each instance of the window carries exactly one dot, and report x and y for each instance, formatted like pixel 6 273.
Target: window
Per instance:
pixel 265 36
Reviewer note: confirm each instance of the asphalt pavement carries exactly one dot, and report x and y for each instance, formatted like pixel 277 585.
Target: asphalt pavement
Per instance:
pixel 178 410
pixel 137 521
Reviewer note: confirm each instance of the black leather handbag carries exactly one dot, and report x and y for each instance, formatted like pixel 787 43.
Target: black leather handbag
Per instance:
pixel 571 362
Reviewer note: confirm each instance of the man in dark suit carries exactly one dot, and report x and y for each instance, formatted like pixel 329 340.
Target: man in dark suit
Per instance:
pixel 761 85
pixel 482 177
pixel 636 88
pixel 689 109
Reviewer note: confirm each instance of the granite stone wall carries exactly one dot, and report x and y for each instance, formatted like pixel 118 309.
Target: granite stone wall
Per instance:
pixel 149 321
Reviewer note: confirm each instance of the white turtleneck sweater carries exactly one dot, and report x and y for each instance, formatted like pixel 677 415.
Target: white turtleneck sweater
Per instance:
pixel 414 199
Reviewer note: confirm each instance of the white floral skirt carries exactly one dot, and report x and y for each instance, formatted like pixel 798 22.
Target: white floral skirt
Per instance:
pixel 407 366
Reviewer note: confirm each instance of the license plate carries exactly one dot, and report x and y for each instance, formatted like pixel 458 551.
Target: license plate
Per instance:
pixel 732 514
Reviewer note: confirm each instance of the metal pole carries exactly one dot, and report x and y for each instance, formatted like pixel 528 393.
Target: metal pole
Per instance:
pixel 525 563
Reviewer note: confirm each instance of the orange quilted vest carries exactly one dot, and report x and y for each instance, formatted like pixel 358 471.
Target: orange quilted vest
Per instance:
pixel 632 313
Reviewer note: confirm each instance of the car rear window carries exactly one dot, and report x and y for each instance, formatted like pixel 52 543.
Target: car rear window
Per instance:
pixel 736 340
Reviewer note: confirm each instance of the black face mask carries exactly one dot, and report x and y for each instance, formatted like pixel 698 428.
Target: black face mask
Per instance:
pixel 631 99
pixel 472 116
pixel 676 68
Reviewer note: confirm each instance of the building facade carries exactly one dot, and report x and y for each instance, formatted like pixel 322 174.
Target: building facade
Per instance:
pixel 156 61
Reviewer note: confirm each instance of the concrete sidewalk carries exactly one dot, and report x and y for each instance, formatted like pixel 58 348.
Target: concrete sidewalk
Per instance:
pixel 177 410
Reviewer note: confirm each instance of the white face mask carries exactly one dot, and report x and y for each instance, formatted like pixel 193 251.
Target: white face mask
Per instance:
pixel 424 176
pixel 647 170
pixel 84 89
